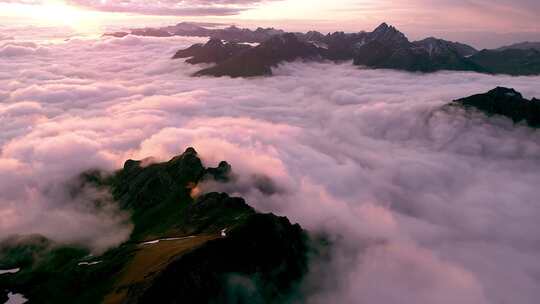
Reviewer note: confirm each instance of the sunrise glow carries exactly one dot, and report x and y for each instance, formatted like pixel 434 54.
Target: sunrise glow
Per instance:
pixel 55 13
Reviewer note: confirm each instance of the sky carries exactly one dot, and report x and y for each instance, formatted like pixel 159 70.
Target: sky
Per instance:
pixel 482 23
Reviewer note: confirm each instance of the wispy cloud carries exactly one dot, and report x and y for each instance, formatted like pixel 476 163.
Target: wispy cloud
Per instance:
pixel 158 8
pixel 169 7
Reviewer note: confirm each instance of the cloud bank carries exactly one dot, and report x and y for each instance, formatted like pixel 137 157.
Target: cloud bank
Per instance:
pixel 428 204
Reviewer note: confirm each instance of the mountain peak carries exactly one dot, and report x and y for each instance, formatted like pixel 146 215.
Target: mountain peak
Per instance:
pixel 388 33
pixel 191 150
pixel 382 27
pixel 507 92
pixel 506 102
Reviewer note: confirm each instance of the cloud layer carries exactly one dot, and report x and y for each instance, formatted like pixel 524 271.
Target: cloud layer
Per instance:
pixel 427 204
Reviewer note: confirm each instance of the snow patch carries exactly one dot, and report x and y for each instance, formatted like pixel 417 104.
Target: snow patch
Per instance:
pixel 252 44
pixel 318 44
pixel 166 239
pixel 88 263
pixel 14 270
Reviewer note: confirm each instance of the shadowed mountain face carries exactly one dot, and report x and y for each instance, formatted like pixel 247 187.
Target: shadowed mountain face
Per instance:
pixel 505 102
pixel 339 45
pixel 436 46
pixel 521 46
pixel 509 61
pixel 199 250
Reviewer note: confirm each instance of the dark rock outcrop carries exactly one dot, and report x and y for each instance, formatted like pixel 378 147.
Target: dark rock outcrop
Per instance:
pixel 506 102
pixel 223 172
pixel 259 60
pixel 214 51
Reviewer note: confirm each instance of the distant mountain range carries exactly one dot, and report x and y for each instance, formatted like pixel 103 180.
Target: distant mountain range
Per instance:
pixel 194 29
pixel 385 47
pixel 522 46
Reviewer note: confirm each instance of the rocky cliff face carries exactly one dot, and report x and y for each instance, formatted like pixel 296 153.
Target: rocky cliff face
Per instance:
pixel 202 250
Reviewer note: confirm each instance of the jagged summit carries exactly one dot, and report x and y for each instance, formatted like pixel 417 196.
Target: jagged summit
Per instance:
pixel 387 33
pixel 383 27
pixel 502 92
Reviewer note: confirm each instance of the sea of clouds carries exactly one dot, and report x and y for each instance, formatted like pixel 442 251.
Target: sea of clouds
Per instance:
pixel 425 203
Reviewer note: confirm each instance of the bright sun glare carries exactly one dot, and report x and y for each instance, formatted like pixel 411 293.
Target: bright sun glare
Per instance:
pixel 58 13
